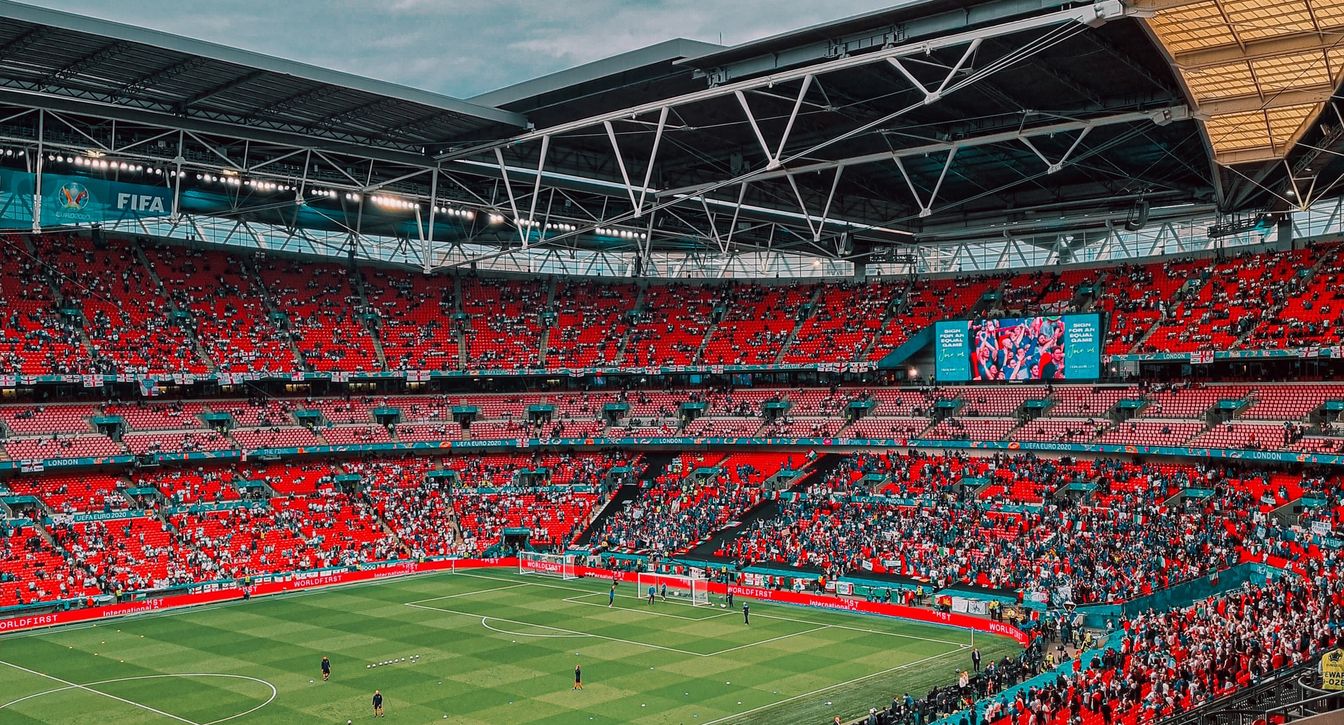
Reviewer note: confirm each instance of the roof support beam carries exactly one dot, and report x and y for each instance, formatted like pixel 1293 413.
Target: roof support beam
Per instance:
pixel 1091 14
pixel 1256 49
pixel 1248 104
pixel 1158 116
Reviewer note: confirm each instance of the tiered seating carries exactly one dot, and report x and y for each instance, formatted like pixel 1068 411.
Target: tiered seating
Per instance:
pixel 927 302
pixel 184 486
pixel 258 412
pixel 419 510
pixel 158 416
pixel 723 427
pixel 672 324
pixel 415 319
pixel 975 429
pixel 1150 433
pixel 590 322
pixel 35 339
pixel 62 446
pixel 757 322
pixel 293 437
pixel 1137 296
pixel 132 554
pixel 1058 430
pixel 126 317
pixel 411 432
pixel 1079 401
pixel 145 443
pixel 1190 401
pixel 992 400
pixel 323 315
pixel 1289 402
pixel 898 428
pixel 32 571
pixel 227 308
pixel 341 435
pixel 34 420
pixel 1256 436
pixel 1228 304
pixel 811 427
pixel 1306 313
pixel 70 493
pixel 1062 289
pixel 843 323
pixel 505 322
pixel 681 509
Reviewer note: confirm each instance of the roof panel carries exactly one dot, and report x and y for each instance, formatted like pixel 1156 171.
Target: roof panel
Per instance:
pixel 1329 13
pixel 1257 19
pixel 1289 71
pixel 1284 123
pixel 1230 80
pixel 1191 27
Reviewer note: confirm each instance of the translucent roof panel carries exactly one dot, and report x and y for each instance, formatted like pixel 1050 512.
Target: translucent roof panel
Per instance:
pixel 1257 70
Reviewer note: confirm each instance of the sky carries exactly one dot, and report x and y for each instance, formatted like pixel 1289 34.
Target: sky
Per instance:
pixel 462 47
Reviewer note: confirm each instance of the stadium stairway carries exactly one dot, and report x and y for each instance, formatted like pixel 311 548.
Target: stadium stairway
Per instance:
pixel 816 471
pixel 655 464
pixel 625 338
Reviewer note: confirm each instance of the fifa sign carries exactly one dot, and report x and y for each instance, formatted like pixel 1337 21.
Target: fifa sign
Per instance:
pixel 69 200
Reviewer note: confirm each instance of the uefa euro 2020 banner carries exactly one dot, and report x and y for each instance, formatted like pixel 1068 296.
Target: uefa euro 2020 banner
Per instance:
pixel 69 200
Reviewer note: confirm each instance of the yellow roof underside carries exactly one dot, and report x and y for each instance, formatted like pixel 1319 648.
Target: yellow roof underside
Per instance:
pixel 1259 71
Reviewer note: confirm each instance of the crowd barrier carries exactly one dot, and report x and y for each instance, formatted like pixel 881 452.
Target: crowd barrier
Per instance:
pixel 269 585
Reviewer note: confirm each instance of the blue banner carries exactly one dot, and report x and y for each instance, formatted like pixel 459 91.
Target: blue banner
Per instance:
pixel 69 200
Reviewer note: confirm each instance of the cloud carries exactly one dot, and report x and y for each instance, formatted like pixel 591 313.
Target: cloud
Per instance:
pixel 462 47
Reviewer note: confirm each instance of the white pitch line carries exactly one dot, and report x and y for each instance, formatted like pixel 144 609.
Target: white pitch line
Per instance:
pixel 559 629
pixel 575 600
pixel 772 639
pixel 73 685
pixel 562 635
pixel 832 687
pixel 778 617
pixel 269 700
pixel 471 593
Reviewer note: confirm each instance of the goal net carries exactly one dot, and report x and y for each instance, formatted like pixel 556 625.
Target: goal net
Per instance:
pixel 532 562
pixel 690 590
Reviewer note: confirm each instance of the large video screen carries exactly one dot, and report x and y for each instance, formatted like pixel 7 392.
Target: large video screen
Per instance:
pixel 1027 349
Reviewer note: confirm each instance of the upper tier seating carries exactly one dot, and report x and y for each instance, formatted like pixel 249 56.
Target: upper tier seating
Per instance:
pixel 228 309
pixel 415 319
pixel 505 322
pixel 35 338
pixel 126 317
pixel 323 313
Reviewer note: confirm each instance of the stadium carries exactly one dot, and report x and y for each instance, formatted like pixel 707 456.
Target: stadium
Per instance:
pixel 958 363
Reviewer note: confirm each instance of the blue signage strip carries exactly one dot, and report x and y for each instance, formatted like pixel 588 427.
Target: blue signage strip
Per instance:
pixel 69 200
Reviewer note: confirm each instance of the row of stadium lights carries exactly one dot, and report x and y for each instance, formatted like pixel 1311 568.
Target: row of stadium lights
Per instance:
pixel 11 153
pixel 621 233
pixel 378 199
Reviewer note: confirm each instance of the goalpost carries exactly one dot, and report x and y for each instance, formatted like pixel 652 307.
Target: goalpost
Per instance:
pixel 534 562
pixel 691 590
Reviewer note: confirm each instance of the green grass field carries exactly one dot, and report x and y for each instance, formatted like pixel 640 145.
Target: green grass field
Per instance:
pixel 487 646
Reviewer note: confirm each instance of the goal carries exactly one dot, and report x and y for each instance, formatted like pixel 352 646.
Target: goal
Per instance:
pixel 532 562
pixel 690 590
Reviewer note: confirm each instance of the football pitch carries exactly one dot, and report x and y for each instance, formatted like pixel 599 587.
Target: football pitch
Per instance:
pixel 476 646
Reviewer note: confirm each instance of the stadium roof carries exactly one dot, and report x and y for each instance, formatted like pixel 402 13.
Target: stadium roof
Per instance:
pixel 936 125
pixel 61 55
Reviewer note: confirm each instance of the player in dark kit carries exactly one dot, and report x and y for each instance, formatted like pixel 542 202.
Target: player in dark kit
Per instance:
pixel 746 613
pixel 326 669
pixel 377 703
pixel 578 677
